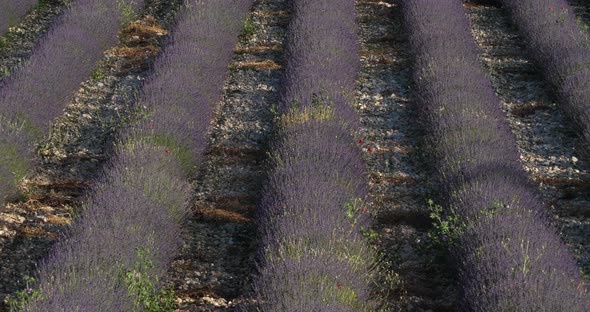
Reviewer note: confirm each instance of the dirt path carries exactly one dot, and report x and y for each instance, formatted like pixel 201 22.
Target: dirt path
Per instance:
pixel 213 271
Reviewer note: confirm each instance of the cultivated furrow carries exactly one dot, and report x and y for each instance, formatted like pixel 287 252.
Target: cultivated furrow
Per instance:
pixel 213 271
pixel 79 142
pixel 546 139
pixel 399 179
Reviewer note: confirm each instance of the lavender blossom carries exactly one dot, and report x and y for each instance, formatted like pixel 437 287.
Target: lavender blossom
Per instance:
pixel 508 255
pixel 129 229
pixel 313 256
pixel 557 42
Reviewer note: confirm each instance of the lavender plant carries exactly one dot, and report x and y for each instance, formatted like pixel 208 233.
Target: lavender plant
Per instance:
pixel 311 217
pixel 135 208
pixel 11 11
pixel 321 58
pixel 129 228
pixel 37 92
pixel 508 255
pixel 558 43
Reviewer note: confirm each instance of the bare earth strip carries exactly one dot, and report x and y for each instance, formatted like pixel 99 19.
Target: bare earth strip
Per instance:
pixel 74 151
pixel 546 138
pixel 400 183
pixel 213 271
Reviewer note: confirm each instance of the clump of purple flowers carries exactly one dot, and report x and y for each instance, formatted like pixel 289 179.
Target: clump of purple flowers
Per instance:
pixel 313 256
pixel 36 93
pixel 508 255
pixel 557 42
pixel 129 229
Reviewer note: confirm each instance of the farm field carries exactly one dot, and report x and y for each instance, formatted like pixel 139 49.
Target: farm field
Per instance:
pixel 294 155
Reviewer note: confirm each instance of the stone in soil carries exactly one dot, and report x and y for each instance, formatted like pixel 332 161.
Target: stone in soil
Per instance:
pixel 414 278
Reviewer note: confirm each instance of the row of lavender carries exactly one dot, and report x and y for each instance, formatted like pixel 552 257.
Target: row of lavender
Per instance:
pixel 130 226
pixel 37 92
pixel 557 41
pixel 12 11
pixel 313 255
pixel 508 256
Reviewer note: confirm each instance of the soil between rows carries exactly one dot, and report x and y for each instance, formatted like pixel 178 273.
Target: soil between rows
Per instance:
pixel 214 269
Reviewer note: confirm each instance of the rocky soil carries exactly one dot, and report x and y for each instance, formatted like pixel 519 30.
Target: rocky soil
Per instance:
pixel 215 267
pixel 416 276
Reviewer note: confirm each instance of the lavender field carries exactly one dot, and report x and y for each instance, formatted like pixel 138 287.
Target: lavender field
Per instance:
pixel 294 155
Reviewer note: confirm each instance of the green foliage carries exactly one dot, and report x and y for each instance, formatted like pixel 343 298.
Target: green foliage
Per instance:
pixel 41 5
pixel 144 287
pixel 179 150
pixel 582 25
pixel 335 292
pixel 23 296
pixel 446 227
pixel 388 285
pixel 274 111
pixel 13 160
pixel 585 270
pixel 353 210
pixel 524 261
pixel 250 28
pixel 127 11
pixel 97 74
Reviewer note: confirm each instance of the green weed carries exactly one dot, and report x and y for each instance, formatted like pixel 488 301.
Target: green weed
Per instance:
pixel 446 228
pixel 23 296
pixel 143 287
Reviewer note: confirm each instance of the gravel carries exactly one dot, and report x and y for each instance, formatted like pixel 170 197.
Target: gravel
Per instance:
pixel 214 269
pixel 414 278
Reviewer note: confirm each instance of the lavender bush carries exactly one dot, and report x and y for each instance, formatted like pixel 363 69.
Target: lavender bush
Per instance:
pixel 37 92
pixel 11 11
pixel 134 211
pixel 321 58
pixel 508 255
pixel 130 225
pixel 557 41
pixel 311 216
